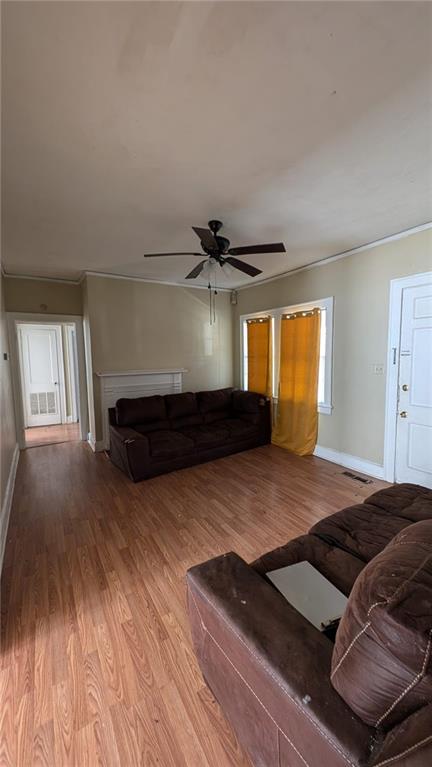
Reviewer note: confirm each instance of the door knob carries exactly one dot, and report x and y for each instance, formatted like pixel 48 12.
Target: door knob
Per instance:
pixel 405 387
pixel 403 414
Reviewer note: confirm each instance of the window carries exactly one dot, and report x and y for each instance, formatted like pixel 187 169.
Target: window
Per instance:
pixel 326 344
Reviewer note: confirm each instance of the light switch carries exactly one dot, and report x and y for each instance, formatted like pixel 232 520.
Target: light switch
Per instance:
pixel 378 369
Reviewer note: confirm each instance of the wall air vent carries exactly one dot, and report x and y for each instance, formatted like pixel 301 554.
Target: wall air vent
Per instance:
pixel 42 403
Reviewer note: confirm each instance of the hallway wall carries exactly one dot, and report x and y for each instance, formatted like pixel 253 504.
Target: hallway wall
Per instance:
pixel 8 441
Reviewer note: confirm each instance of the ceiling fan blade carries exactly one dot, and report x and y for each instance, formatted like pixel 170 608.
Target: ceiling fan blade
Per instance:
pixel 246 268
pixel 196 270
pixel 273 247
pixel 158 255
pixel 206 238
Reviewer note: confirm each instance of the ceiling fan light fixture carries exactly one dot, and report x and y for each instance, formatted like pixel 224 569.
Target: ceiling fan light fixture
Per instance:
pixel 209 267
pixel 227 269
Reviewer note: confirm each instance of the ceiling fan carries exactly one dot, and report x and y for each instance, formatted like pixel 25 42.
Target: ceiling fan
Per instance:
pixel 218 251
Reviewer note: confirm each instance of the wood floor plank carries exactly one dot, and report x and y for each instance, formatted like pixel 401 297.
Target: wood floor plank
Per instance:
pixel 43 746
pixel 97 666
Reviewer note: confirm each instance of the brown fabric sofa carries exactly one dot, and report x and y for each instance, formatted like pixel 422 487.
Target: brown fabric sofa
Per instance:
pixel 153 435
pixel 270 669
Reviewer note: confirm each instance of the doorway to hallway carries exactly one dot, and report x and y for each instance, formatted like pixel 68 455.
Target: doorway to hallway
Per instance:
pixel 49 382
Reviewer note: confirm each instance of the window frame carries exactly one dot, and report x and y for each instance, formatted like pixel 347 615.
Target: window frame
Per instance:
pixel 325 407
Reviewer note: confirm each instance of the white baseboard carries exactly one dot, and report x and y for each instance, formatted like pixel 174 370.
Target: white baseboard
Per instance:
pixel 7 503
pixel 96 445
pixel 350 461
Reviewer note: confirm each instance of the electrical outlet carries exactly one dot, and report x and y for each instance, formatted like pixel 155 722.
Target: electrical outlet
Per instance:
pixel 378 369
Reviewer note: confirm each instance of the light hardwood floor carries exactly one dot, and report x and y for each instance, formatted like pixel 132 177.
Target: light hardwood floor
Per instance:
pixel 50 435
pixel 97 666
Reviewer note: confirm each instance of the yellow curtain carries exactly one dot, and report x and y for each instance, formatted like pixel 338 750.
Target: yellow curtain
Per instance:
pixel 259 355
pixel 296 426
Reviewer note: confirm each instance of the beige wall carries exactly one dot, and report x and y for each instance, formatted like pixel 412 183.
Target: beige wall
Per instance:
pixel 137 325
pixel 40 296
pixel 8 434
pixel 360 286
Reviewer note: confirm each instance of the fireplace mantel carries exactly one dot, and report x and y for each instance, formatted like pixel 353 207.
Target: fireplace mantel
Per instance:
pixel 135 383
pixel 122 373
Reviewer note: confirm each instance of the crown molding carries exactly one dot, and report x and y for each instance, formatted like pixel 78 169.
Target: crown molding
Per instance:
pixel 39 279
pixel 153 282
pixel 280 276
pixel 110 276
pixel 340 256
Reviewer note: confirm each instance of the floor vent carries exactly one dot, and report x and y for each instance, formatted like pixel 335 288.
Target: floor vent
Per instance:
pixel 357 478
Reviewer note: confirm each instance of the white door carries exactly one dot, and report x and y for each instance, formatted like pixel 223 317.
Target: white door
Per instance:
pixel 414 420
pixel 40 356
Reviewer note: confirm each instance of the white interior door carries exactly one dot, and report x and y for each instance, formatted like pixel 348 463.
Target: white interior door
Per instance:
pixel 40 358
pixel 414 421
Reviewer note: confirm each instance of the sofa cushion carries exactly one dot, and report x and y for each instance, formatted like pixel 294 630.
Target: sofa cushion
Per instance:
pixel 180 405
pixel 216 400
pixel 238 428
pixel 411 502
pixel 206 436
pixel 338 566
pixel 194 419
pixel 246 401
pixel 146 428
pixel 216 415
pixel 169 444
pixel 362 530
pixel 140 410
pixel 382 659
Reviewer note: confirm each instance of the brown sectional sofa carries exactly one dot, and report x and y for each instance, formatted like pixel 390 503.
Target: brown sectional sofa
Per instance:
pixel 154 435
pixel 294 698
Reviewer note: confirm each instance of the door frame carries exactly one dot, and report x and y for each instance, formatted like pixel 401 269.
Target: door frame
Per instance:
pixel 14 319
pixel 397 287
pixel 60 363
pixel 70 335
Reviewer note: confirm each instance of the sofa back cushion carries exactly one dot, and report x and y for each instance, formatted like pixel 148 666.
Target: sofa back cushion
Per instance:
pixel 183 410
pixel 382 659
pixel 140 410
pixel 247 402
pixel 215 405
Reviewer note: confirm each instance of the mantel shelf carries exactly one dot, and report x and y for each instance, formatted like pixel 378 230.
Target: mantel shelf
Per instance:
pixel 139 372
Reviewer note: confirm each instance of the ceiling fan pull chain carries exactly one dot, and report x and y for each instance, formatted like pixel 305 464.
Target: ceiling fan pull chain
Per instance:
pixel 210 301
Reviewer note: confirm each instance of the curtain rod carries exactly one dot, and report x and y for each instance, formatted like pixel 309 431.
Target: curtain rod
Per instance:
pixel 307 313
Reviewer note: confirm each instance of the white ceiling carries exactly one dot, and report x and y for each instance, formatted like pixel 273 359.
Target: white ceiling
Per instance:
pixel 124 124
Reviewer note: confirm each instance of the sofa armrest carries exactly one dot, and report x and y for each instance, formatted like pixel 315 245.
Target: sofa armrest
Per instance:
pixel 124 433
pixel 260 656
pixel 130 451
pixel 409 744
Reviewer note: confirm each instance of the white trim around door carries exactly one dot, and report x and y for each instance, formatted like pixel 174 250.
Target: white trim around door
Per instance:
pixel 395 318
pixel 14 319
pixel 71 345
